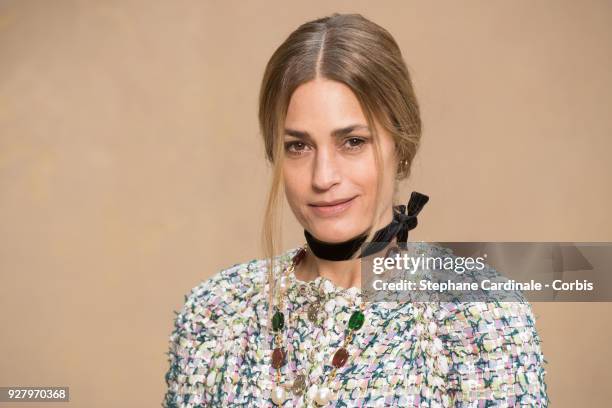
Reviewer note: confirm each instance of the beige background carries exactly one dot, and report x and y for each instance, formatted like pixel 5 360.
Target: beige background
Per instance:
pixel 131 167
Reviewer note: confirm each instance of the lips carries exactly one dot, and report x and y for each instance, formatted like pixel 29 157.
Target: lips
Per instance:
pixel 331 208
pixel 331 203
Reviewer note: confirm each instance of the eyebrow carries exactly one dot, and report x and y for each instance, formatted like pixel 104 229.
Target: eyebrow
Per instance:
pixel 336 133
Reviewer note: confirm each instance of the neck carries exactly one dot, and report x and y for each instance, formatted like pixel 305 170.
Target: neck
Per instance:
pixel 344 274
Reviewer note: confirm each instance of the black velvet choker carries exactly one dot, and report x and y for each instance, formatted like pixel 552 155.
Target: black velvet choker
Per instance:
pixel 399 227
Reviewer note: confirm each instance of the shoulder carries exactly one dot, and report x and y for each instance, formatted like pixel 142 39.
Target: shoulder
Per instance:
pixel 488 322
pixel 223 295
pixel 227 295
pixel 484 311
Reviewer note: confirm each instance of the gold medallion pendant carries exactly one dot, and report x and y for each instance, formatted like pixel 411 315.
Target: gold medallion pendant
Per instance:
pixel 299 384
pixel 313 311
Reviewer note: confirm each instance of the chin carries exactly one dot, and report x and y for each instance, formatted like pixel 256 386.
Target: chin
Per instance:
pixel 334 231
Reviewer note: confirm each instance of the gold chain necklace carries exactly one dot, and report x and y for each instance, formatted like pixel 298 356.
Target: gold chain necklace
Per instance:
pixel 321 394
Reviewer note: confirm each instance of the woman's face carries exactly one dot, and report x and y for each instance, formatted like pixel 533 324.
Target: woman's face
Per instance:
pixel 329 166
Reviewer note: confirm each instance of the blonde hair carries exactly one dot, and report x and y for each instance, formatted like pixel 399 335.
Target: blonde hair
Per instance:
pixel 353 50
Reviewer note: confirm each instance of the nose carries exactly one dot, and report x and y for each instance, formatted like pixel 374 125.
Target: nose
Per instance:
pixel 326 170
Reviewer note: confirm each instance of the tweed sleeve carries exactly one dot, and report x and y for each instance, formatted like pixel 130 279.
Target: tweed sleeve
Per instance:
pixel 209 334
pixel 192 338
pixel 495 355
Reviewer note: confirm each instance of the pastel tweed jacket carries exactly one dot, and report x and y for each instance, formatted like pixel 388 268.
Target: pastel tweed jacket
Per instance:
pixel 431 354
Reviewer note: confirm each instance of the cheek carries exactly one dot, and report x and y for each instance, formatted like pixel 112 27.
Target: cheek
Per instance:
pixel 295 188
pixel 363 174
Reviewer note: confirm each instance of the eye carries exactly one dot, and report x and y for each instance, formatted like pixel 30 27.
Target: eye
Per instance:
pixel 355 143
pixel 295 147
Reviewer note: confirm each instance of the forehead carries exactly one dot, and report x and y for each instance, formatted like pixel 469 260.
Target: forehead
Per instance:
pixel 322 103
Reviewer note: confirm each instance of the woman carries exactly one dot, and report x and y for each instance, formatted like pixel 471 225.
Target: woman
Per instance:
pixel 341 127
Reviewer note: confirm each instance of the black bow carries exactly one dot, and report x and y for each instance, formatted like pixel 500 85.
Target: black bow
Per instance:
pixel 408 221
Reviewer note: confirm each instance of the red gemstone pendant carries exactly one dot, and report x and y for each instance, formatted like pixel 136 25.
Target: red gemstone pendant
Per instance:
pixel 340 357
pixel 278 358
pixel 299 256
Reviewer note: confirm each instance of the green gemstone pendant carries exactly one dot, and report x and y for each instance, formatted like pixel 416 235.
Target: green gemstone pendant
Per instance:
pixel 278 321
pixel 356 320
